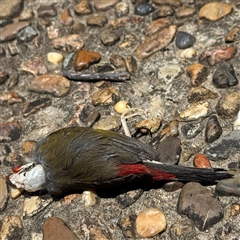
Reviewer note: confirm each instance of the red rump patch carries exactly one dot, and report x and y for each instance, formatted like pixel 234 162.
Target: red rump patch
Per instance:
pixel 127 169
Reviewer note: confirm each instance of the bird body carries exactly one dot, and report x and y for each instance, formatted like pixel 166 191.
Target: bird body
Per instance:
pixel 79 158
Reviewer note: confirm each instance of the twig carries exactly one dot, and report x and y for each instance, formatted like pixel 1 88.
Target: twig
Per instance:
pixel 115 77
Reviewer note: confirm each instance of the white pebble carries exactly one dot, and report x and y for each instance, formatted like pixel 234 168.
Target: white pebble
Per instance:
pixel 188 53
pixel 236 124
pixel 54 57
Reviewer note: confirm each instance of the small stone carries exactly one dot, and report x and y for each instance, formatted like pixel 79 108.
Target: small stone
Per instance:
pixel 16 192
pixel 150 223
pixel 26 14
pixel 109 37
pixel 198 203
pixel 32 107
pixel 172 186
pixel 10 31
pixel 69 43
pixel 56 85
pixel 84 7
pixel 143 9
pixel 66 18
pixel 121 106
pixel 188 53
pixel 13 81
pixel 188 150
pixel 36 66
pixel 184 12
pixel 63 232
pixel 84 58
pixel 236 124
pixel 224 77
pixel 128 227
pixel 105 67
pixel 93 117
pixel 156 42
pixel 213 129
pixel 42 23
pixel 169 73
pixel 10 98
pixel 5 22
pixel 54 57
pixel 131 64
pixel 3 194
pixel 229 105
pixel 215 10
pixel 191 130
pixel 27 34
pixel 13 48
pixel 104 5
pixel 200 94
pixel 218 54
pixel 128 198
pixel 121 9
pixel 201 161
pixel 3 77
pixel 68 61
pixel 10 9
pixel 224 146
pixel 129 41
pixel 158 25
pixel 47 11
pixel 12 228
pixel 9 131
pixel 117 61
pixel 174 3
pixel 89 198
pixel 169 150
pixel 27 148
pixel 105 96
pixel 111 122
pixel 162 12
pixel 97 20
pixel 148 125
pixel 195 111
pixel 230 37
pixel 171 129
pixel 184 40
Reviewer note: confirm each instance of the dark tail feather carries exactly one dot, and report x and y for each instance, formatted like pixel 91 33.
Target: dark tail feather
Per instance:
pixel 191 174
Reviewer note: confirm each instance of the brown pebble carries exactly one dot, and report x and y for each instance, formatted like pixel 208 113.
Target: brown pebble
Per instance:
pixel 163 11
pixel 150 223
pixel 148 125
pixel 184 12
pixel 26 14
pixel 84 58
pixel 128 227
pixel 215 10
pixel 66 18
pixel 3 194
pixel 110 122
pixel 158 25
pixel 129 41
pixel 83 8
pixel 201 161
pixel 117 61
pixel 27 148
pixel 10 98
pixel 174 3
pixel 156 42
pixel 104 5
pixel 109 37
pixel 96 20
pixel 105 96
pixel 47 11
pixel 9 131
pixel 232 35
pixel 36 66
pixel 201 93
pixel 131 64
pixel 213 129
pixel 10 9
pixel 56 85
pixel 198 73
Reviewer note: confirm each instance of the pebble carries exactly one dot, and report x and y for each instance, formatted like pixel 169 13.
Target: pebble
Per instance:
pixel 143 9
pixel 131 64
pixel 12 228
pixel 13 48
pixel 213 129
pixel 229 105
pixel 156 42
pixel 36 66
pixel 128 227
pixel 117 61
pixel 184 12
pixel 224 76
pixel 47 11
pixel 128 198
pixel 121 9
pixel 201 93
pixel 150 222
pixel 54 57
pixel 109 37
pixel 170 129
pixel 198 203
pixel 89 198
pixel 15 192
pixel 27 148
pixel 231 36
pixel 121 106
pixel 172 186
pixel 129 41
pixel 104 5
pixel 9 131
pixel 201 161
pixel 105 67
pixel 26 15
pixel 224 146
pixel 218 54
pixel 34 106
pixel 83 8
pixel 63 232
pixel 169 150
pixel 198 74
pixel 184 40
pixel 192 129
pixel 3 194
pixel 10 31
pixel 69 43
pixel 169 72
pixel 105 96
pixel 158 25
pixel 10 98
pixel 188 53
pixel 66 18
pixel 56 85
pixel 97 20
pixel 195 111
pixel 3 77
pixel 189 149
pixel 10 9
pixel 93 117
pixel 174 3
pixel 84 58
pixel 215 10
pixel 148 125
pixel 27 34
pixel 236 124
pixel 110 122
pixel 162 12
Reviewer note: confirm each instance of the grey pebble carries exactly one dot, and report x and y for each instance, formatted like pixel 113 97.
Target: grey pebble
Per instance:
pixel 143 9
pixel 27 34
pixel 184 40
